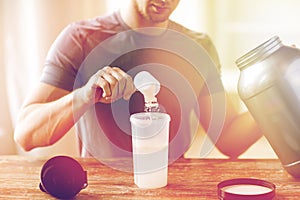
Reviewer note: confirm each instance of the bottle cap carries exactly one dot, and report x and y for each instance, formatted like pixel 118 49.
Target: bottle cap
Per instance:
pixel 62 177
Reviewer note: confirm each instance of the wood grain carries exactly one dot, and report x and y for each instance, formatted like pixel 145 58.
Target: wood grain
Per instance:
pixel 188 179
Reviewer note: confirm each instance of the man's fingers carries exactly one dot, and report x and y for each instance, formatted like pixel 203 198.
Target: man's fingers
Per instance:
pixel 127 84
pixel 115 84
pixel 101 84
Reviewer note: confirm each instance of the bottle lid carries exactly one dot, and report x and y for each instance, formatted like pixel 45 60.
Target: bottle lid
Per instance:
pixel 246 188
pixel 259 53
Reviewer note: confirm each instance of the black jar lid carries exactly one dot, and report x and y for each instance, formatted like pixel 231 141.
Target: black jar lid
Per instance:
pixel 62 177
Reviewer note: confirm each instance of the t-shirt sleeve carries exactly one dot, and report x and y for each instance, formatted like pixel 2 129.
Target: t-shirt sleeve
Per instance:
pixel 213 73
pixel 205 41
pixel 64 59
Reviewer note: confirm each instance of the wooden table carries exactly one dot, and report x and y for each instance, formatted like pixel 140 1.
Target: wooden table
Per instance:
pixel 188 179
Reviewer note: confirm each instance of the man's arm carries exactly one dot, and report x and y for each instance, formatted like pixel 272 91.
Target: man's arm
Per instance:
pixel 239 132
pixel 49 112
pixel 45 117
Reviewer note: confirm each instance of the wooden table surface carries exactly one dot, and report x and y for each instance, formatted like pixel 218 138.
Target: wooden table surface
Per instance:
pixel 188 179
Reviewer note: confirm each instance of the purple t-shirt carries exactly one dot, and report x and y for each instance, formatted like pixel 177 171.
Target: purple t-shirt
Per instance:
pixel 181 59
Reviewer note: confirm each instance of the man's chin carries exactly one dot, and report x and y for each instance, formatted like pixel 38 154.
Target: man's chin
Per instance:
pixel 159 18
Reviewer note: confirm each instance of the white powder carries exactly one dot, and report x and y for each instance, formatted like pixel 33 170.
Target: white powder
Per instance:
pixel 246 189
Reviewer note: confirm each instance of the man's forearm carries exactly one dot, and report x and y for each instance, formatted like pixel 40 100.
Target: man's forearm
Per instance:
pixel 42 124
pixel 239 135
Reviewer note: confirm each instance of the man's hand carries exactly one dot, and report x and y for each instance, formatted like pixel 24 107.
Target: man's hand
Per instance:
pixel 108 85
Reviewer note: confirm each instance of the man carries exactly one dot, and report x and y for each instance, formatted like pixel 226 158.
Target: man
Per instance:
pixel 87 81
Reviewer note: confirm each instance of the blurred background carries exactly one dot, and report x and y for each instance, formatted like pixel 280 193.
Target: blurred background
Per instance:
pixel 28 28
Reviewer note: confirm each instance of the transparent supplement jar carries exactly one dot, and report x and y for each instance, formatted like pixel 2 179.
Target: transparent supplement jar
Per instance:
pixel 150 141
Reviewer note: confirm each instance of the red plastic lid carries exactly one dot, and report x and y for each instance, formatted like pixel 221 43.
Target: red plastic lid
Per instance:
pixel 246 188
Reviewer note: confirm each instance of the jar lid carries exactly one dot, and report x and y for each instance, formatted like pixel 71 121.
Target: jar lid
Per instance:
pixel 246 188
pixel 259 53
